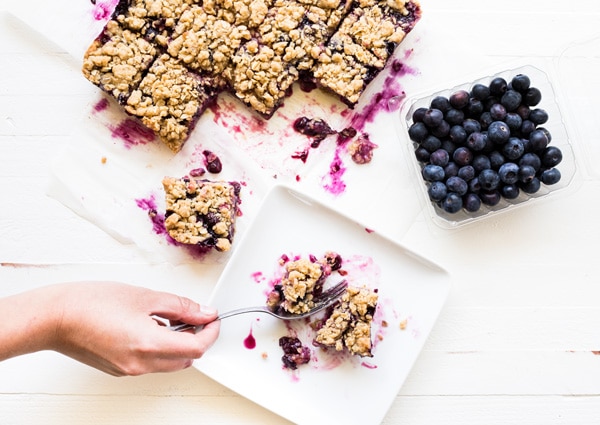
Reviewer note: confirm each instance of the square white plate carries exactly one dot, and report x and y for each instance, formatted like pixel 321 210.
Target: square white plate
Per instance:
pixel 330 388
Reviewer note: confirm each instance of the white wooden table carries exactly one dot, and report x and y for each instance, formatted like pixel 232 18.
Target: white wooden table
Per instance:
pixel 518 341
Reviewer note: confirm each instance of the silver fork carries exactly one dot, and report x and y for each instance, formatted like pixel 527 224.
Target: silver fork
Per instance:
pixel 326 299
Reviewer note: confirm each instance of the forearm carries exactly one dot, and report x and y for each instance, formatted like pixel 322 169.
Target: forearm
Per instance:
pixel 28 322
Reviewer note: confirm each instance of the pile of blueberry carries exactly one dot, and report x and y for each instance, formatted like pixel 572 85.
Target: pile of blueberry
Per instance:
pixel 479 146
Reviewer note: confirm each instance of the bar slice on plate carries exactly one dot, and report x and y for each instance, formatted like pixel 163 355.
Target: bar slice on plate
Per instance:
pixel 201 212
pixel 349 325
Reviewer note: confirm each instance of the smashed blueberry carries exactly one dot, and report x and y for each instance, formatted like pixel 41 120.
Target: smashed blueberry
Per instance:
pixel 212 162
pixel 294 353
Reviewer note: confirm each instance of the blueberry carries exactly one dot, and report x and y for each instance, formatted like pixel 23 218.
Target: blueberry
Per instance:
pixel 459 99
pixel 526 173
pixel 527 127
pixel 532 186
pixel 532 96
pixel 510 191
pixel 538 116
pixel 441 130
pixel 418 114
pixel 538 140
pixel 457 185
pixel 431 143
pixel 455 116
pixel 476 141
pixel 471 125
pixel 472 202
pixel 452 203
pixel 485 119
pixel 498 86
pixel 520 82
pixel 550 176
pixel 509 173
pixel 451 169
pixel 462 156
pixel 433 117
pixel 496 160
pixel 513 149
pixel 439 157
pixel 532 160
pixel 474 185
pixel 481 162
pixel 480 91
pixel 466 172
pixel 433 173
pixel 458 134
pixel 437 191
pixel 511 100
pixel 475 107
pixel 552 156
pixel 545 130
pixel 449 146
pixel 418 131
pixel 422 154
pixel 498 132
pixel 441 102
pixel 490 197
pixel 513 121
pixel 523 111
pixel 498 112
pixel 489 179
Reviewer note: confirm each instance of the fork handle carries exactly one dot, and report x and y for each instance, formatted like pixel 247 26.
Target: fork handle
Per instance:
pixel 186 326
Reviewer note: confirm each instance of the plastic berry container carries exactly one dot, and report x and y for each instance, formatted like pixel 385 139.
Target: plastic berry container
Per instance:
pixel 446 213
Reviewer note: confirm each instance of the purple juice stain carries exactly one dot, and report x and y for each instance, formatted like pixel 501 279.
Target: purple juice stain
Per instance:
pixel 250 341
pixel 335 185
pixel 133 133
pixel 102 10
pixel 102 105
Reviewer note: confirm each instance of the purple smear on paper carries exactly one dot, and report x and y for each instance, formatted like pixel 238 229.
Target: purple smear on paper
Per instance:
pixel 132 133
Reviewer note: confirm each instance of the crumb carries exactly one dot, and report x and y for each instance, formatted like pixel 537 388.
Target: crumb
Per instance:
pixel 403 324
pixel 103 160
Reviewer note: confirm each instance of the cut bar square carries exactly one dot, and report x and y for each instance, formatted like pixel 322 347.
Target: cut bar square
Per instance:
pixel 170 99
pixel 201 212
pixel 117 60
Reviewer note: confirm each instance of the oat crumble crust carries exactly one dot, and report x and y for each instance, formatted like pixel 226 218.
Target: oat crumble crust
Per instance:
pixel 349 325
pixel 201 212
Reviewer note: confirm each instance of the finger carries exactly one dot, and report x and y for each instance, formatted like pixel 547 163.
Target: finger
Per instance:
pixel 186 345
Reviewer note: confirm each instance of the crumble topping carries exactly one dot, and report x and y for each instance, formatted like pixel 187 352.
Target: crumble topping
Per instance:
pixel 349 325
pixel 206 42
pixel 201 212
pixel 170 99
pixel 117 60
pixel 261 78
pixel 302 281
pixel 250 13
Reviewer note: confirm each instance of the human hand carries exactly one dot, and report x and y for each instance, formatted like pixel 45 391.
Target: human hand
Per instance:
pixel 111 327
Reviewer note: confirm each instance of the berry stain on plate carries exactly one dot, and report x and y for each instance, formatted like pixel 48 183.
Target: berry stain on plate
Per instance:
pixel 103 9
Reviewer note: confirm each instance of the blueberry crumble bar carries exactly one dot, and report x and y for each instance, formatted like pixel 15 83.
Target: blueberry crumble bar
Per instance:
pixel 255 49
pixel 201 212
pixel 302 282
pixel 349 325
pixel 117 60
pixel 170 99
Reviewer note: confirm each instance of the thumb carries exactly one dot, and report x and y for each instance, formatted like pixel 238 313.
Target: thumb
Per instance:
pixel 182 309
